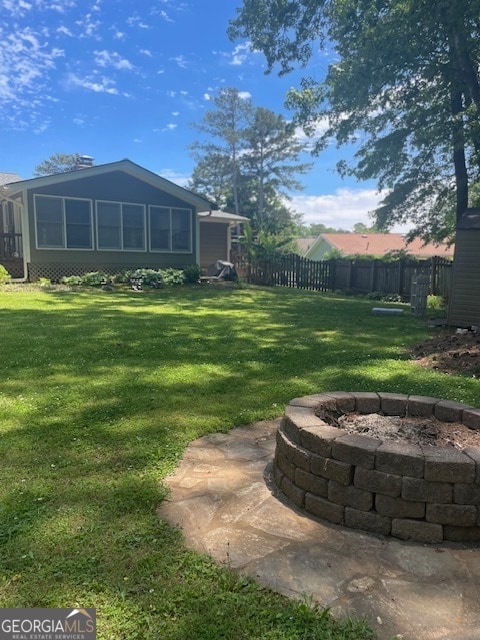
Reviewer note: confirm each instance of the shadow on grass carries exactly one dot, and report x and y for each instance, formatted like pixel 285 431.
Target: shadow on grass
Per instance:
pixel 100 395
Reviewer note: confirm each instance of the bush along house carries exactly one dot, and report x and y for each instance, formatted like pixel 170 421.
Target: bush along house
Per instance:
pixel 110 217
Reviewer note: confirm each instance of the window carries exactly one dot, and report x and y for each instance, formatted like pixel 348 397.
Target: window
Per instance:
pixel 78 224
pixel 170 229
pixel 63 223
pixel 181 235
pixel 121 226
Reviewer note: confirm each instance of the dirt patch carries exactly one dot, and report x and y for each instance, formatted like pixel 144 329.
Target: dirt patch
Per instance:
pixel 423 431
pixel 450 352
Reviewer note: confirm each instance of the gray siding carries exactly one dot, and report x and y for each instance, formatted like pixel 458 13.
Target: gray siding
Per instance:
pixel 116 186
pixel 464 306
pixel 213 243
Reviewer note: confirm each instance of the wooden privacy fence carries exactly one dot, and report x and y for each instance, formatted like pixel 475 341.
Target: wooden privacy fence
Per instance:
pixel 362 276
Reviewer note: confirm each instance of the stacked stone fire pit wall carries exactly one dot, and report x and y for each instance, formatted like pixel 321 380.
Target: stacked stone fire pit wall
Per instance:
pixel 413 492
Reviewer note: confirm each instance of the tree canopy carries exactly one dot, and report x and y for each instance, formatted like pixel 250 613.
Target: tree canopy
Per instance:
pixel 402 87
pixel 250 161
pixel 56 163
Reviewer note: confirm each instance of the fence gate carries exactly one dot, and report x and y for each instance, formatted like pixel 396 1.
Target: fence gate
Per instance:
pixel 419 293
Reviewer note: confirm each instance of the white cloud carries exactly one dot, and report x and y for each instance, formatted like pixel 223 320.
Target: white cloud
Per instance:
pixel 178 178
pixel 171 126
pixel 104 85
pixel 207 97
pixel 17 8
pixel 341 209
pixel 244 95
pixel 181 61
pixel 136 21
pixel 240 54
pixel 112 59
pixel 65 31
pixel 146 52
pixel 89 26
pixel 25 66
pixel 165 16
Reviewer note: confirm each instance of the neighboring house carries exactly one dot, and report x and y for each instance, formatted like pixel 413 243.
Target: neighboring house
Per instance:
pixel 10 230
pixel 373 244
pixel 110 217
pixel 304 244
pixel 464 304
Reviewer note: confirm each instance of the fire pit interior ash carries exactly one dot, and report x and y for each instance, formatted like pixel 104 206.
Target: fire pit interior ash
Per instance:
pixel 423 431
pixel 406 466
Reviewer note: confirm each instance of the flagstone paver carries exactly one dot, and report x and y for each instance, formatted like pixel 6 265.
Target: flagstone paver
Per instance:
pixel 224 500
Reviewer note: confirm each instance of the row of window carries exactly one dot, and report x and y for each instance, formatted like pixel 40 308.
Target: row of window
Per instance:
pixel 67 223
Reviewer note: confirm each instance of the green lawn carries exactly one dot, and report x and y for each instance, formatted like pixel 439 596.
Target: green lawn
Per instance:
pixel 100 392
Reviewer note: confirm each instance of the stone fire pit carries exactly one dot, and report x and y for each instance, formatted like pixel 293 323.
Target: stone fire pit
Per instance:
pixel 411 491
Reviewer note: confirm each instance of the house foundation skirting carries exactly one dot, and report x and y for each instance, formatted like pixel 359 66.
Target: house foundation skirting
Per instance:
pixel 56 271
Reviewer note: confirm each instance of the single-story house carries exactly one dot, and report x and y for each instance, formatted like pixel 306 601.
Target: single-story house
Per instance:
pixel 304 244
pixel 110 218
pixel 464 303
pixel 373 244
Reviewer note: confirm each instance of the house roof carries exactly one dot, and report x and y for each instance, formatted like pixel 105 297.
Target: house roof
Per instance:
pixel 223 216
pixel 7 178
pixel 378 244
pixel 304 244
pixel 127 166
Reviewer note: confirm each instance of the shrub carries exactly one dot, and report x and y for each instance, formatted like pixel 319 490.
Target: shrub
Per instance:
pixel 172 276
pixel 4 275
pixel 191 273
pixel 435 302
pixel 72 281
pixel 146 277
pixel 95 279
pixel 384 297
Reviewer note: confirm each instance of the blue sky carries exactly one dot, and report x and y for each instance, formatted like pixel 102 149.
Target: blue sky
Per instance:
pixel 126 78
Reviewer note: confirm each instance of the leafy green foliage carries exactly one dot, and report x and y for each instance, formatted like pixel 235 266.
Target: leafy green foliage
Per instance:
pixel 436 303
pixel 403 88
pixel 56 163
pixel 4 275
pixel 191 274
pixel 91 279
pixel 251 165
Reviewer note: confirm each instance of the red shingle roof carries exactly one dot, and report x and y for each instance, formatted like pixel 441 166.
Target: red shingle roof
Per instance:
pixel 378 244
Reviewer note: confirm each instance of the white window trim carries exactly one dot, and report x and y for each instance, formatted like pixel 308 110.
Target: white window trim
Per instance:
pixel 170 249
pixel 64 221
pixel 133 204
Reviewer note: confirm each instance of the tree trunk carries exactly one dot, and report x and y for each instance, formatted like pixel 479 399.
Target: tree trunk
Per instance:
pixel 461 175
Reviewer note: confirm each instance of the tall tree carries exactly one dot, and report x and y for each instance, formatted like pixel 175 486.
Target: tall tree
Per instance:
pixel 226 124
pixel 403 87
pixel 253 163
pixel 272 161
pixel 56 163
pixel 212 176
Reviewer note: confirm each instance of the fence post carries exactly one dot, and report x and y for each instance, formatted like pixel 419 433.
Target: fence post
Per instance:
pixel 418 294
pixel 373 269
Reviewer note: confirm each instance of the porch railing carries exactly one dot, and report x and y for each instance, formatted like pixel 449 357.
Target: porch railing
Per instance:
pixel 10 246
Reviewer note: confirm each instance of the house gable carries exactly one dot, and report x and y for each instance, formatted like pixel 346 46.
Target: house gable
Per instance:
pixel 109 217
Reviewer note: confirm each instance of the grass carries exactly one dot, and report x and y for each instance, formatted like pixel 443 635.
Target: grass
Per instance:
pixel 100 393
